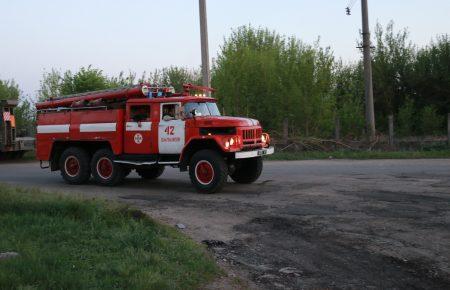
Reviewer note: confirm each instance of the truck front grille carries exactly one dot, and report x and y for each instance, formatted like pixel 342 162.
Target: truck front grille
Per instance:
pixel 251 134
pixel 252 138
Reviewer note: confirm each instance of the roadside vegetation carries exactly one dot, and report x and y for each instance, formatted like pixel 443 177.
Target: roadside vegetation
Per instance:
pixel 70 243
pixel 312 155
pixel 262 74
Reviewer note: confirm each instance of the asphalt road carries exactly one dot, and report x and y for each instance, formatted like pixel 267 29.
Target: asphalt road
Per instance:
pixel 335 223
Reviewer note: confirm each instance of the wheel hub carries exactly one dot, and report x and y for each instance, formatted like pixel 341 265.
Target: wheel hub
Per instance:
pixel 204 172
pixel 72 166
pixel 104 168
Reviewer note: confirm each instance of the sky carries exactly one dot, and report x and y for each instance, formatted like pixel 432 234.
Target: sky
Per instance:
pixel 143 35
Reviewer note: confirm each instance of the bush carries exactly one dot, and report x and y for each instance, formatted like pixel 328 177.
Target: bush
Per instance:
pixel 431 123
pixel 9 90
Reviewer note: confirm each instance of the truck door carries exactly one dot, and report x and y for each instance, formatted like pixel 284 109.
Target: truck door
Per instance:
pixel 171 129
pixel 138 127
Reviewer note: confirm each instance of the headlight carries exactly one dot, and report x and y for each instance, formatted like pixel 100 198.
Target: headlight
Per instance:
pixel 232 142
pixel 265 138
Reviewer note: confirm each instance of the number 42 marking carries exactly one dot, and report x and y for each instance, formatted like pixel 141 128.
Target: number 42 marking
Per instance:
pixel 169 130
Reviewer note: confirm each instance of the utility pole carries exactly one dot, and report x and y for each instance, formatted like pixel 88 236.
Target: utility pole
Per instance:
pixel 204 43
pixel 370 114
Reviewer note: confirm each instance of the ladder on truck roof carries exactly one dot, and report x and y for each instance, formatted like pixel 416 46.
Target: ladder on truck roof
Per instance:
pixel 116 95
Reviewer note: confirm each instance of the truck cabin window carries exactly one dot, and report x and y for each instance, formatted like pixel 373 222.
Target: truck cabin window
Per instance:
pixel 140 113
pixel 171 112
pixel 201 109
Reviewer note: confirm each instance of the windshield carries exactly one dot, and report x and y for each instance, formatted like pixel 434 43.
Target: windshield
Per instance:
pixel 201 109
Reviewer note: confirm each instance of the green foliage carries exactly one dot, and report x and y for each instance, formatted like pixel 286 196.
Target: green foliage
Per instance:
pixel 349 89
pixel 87 79
pixel 431 122
pixel 406 79
pixel 57 83
pixel 431 78
pixel 25 114
pixel 393 60
pixel 174 76
pixel 406 118
pixel 9 90
pixel 67 243
pixel 122 80
pixel 261 74
pixel 50 85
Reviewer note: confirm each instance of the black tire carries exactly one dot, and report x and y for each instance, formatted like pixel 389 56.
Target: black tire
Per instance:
pixel 247 170
pixel 104 170
pixel 212 160
pixel 74 165
pixel 151 173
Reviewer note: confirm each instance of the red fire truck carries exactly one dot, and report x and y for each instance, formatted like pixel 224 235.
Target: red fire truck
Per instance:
pixel 109 133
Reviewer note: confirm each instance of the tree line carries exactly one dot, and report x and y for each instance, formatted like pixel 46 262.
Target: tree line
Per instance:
pixel 261 74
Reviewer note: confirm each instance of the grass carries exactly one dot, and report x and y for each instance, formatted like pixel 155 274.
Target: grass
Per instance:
pixel 311 155
pixel 70 243
pixel 29 156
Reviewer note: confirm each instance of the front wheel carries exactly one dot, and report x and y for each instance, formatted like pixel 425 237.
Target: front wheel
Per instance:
pixel 247 170
pixel 208 171
pixel 104 170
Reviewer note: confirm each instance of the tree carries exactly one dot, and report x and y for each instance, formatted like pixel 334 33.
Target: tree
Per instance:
pixel 406 118
pixel 56 83
pixel 25 114
pixel 431 79
pixel 9 90
pixel 174 76
pixel 393 62
pixel 85 80
pixel 260 74
pixel 349 93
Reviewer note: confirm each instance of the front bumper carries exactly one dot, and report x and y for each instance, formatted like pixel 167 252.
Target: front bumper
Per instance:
pixel 254 153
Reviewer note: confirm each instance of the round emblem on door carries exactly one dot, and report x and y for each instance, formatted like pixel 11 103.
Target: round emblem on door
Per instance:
pixel 138 138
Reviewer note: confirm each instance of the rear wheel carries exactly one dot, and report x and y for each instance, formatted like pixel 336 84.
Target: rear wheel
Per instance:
pixel 152 172
pixel 74 165
pixel 247 170
pixel 208 171
pixel 104 170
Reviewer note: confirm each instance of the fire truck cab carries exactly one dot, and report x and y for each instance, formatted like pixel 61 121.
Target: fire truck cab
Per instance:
pixel 107 134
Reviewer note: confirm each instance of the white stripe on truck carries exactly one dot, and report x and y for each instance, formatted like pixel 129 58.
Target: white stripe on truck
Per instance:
pixel 97 127
pixel 46 129
pixel 136 126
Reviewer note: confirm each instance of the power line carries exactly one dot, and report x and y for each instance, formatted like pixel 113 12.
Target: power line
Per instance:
pixel 350 4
